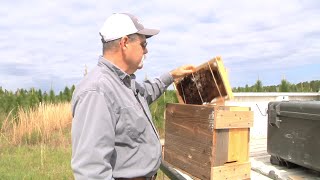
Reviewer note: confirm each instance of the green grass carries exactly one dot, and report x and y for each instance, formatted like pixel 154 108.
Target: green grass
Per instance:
pixel 35 162
pixel 25 162
pixel 158 107
pixel 31 160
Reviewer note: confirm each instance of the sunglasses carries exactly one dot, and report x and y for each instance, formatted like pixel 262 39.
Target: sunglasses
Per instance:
pixel 144 44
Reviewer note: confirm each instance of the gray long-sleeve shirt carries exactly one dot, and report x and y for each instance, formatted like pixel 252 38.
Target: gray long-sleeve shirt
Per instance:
pixel 112 132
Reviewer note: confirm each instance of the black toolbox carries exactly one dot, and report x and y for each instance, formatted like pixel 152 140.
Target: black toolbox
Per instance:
pixel 294 133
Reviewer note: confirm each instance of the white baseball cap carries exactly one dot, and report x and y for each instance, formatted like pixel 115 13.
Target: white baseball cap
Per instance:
pixel 122 24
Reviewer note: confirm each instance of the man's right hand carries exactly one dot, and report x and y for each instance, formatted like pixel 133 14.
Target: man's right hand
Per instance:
pixel 182 71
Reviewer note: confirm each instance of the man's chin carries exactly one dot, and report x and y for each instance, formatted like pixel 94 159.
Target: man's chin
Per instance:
pixel 140 66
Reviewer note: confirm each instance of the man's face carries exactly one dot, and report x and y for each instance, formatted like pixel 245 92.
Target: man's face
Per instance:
pixel 136 51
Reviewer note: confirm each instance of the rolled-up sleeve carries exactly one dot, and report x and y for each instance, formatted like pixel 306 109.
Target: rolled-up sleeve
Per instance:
pixel 93 136
pixel 154 89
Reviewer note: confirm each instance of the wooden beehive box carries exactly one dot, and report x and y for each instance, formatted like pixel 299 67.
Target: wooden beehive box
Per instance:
pixel 204 138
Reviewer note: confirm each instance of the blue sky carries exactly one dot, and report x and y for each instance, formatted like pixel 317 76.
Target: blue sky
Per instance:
pixel 47 44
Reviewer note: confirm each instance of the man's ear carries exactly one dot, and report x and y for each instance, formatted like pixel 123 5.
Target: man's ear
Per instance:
pixel 124 42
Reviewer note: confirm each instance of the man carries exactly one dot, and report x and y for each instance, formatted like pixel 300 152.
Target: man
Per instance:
pixel 113 136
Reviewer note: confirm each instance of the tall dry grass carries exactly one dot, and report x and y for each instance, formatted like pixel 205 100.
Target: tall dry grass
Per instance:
pixel 46 123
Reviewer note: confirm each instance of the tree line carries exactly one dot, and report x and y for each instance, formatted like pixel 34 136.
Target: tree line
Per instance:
pixel 23 98
pixel 284 86
pixel 10 102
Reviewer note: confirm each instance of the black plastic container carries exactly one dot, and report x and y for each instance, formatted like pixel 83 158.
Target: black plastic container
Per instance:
pixel 294 133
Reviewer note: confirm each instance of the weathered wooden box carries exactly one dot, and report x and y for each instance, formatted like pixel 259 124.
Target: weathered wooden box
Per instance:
pixel 204 138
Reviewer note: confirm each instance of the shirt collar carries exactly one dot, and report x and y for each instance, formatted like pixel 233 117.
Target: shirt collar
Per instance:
pixel 124 77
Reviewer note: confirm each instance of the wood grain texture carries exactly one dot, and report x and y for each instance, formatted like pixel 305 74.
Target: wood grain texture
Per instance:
pixel 194 146
pixel 188 165
pixel 190 116
pixel 231 171
pixel 188 139
pixel 220 147
pixel 238 145
pixel 224 77
pixel 233 119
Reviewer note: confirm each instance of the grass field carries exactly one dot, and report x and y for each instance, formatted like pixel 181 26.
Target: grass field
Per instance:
pixel 35 162
pixel 36 144
pixel 38 162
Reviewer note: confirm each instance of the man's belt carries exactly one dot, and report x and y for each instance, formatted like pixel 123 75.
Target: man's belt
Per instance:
pixel 139 178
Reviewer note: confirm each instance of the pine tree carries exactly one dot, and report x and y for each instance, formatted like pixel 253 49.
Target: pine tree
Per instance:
pixel 40 95
pixel 66 94
pixel 247 89
pixel 61 97
pixel 284 86
pixel 52 96
pixel 293 88
pixel 258 86
pixel 273 88
pixel 1 91
pixel 22 98
pixel 33 98
pixel 72 89
pixel 45 97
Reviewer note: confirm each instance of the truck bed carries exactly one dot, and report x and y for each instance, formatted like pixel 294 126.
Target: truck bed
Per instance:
pixel 260 163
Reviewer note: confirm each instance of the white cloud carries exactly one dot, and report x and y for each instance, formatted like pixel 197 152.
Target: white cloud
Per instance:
pixel 56 39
